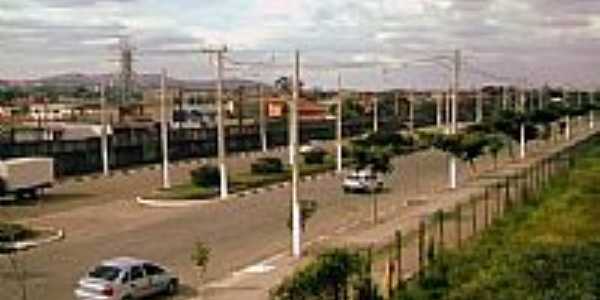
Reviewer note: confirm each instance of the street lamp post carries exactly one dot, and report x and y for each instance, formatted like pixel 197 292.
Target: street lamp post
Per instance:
pixel 296 229
pixel 454 107
pixel 164 130
pixel 591 101
pixel 262 119
pixel 221 126
pixel 567 118
pixel 523 142
pixel 103 131
pixel 339 122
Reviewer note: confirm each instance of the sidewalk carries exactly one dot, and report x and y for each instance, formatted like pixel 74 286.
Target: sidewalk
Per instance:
pixel 254 282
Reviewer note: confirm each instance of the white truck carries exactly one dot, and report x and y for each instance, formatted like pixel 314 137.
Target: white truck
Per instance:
pixel 26 177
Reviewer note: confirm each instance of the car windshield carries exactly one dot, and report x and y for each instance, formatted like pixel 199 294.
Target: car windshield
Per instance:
pixel 105 272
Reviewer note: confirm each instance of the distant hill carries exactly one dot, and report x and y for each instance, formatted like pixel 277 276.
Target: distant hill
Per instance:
pixel 73 80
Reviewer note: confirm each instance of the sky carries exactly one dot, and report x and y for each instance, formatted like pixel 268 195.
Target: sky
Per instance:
pixel 555 41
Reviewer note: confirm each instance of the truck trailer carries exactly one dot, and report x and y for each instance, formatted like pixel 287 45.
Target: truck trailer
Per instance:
pixel 26 177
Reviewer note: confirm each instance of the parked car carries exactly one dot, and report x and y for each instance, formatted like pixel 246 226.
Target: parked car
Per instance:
pixel 362 181
pixel 311 146
pixel 126 278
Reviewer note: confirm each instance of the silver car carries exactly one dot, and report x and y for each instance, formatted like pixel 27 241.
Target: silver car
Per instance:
pixel 362 181
pixel 126 278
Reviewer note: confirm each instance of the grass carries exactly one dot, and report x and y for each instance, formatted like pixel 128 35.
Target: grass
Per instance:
pixel 543 250
pixel 240 181
pixel 186 192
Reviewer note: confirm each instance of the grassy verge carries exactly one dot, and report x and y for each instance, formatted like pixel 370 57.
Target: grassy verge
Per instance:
pixel 238 182
pixel 543 250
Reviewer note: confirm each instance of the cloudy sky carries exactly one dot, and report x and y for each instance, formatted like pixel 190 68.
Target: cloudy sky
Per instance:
pixel 543 40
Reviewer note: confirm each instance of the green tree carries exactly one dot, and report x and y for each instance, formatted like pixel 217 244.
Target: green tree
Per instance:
pixel 495 143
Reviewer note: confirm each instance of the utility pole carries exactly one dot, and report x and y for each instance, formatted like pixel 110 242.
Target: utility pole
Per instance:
pixel 579 105
pixel 453 128
pixel 504 98
pixel 447 106
pixel 262 118
pixel 396 105
pixel 591 101
pixel 568 117
pixel 411 111
pixel 479 107
pixel 164 130
pixel 375 113
pixel 221 123
pixel 541 99
pixel 438 110
pixel 296 229
pixel 523 142
pixel 103 130
pixel 339 122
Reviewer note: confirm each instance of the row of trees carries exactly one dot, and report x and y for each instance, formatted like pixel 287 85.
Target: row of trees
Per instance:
pixel 330 275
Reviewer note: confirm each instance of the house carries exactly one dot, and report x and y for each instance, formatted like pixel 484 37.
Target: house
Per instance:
pixel 307 110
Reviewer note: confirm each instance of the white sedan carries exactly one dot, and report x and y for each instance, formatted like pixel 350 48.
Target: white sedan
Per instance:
pixel 362 181
pixel 126 278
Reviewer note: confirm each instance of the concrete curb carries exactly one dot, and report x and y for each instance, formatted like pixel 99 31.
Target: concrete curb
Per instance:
pixel 24 245
pixel 160 203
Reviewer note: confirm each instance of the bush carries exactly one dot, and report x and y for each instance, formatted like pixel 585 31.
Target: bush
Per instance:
pixel 206 176
pixel 13 232
pixel 326 278
pixel 200 256
pixel 267 165
pixel 307 209
pixel 316 157
pixel 2 187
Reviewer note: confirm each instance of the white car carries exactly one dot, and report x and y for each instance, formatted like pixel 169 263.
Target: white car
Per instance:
pixel 311 146
pixel 362 181
pixel 126 278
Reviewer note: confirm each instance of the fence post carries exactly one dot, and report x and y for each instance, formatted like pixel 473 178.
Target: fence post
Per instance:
pixel 370 272
pixel 441 229
pixel 421 248
pixel 390 277
pixel 400 278
pixel 486 207
pixel 498 197
pixel 474 215
pixel 507 196
pixel 458 216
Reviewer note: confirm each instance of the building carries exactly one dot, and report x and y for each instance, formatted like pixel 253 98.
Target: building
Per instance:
pixel 307 110
pixel 186 108
pixel 51 111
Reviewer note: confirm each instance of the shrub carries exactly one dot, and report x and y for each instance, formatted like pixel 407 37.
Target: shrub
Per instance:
pixel 326 278
pixel 307 209
pixel 206 176
pixel 315 157
pixel 267 165
pixel 200 256
pixel 13 232
pixel 2 187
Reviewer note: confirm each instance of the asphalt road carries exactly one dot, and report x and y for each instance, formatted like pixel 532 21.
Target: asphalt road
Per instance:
pixel 239 231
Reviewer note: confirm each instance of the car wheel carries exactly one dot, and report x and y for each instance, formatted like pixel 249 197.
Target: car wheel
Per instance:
pixel 172 287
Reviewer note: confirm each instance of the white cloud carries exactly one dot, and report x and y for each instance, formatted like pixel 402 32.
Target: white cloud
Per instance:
pixel 551 34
